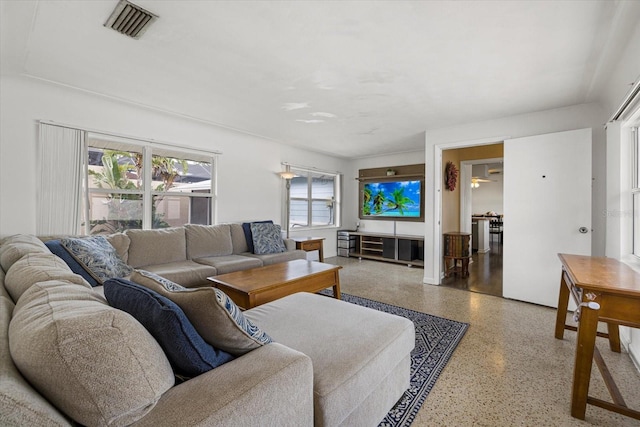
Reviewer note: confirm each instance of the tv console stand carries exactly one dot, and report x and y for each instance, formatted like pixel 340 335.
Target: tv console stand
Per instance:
pixel 401 249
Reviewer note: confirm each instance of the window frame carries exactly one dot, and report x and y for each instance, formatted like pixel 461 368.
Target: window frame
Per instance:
pixel 336 199
pixel 635 191
pixel 148 149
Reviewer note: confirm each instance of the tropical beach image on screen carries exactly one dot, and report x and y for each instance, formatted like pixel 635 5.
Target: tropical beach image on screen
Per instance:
pixel 391 199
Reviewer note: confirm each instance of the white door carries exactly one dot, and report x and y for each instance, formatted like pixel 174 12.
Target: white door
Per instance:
pixel 547 210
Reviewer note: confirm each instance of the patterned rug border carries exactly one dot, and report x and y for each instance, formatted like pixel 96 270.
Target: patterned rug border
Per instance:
pixel 436 340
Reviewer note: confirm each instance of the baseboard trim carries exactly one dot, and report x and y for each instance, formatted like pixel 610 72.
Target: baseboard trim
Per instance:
pixel 635 359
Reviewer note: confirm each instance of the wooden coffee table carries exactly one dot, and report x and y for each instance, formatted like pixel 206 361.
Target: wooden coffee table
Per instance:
pixel 250 288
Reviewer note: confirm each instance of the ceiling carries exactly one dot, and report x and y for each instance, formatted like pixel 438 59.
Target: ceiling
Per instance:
pixel 349 78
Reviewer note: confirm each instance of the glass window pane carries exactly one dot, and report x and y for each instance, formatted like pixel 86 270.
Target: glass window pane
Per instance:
pixel 299 187
pixel 111 213
pixel 180 185
pixel 114 169
pixel 322 187
pixel 298 216
pixel 175 211
pixel 200 210
pixel 322 212
pixel 180 175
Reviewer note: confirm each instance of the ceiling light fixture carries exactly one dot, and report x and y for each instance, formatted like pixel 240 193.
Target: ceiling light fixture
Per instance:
pixel 287 174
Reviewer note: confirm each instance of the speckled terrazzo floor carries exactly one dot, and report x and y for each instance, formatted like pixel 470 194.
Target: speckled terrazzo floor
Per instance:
pixel 509 370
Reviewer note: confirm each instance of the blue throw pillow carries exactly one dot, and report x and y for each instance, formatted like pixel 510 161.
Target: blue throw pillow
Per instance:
pixel 267 239
pixel 56 248
pixel 188 353
pixel 246 227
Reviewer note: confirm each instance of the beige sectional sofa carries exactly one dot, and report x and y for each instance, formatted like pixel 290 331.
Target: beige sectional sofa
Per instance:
pixel 67 356
pixel 188 255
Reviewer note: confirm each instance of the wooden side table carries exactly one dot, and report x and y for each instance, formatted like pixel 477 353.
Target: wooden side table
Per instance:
pixel 608 291
pixel 456 249
pixel 309 244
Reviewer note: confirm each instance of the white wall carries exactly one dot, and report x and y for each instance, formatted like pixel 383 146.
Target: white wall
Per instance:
pixel 248 187
pixel 488 196
pixel 556 120
pixel 624 74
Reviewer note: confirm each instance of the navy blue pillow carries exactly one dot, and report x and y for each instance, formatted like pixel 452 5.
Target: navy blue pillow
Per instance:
pixel 246 226
pixel 56 248
pixel 187 352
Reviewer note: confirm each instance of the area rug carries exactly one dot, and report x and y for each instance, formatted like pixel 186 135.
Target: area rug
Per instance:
pixel 436 339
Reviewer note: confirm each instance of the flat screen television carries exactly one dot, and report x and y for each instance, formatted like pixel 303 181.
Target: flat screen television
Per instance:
pixel 392 199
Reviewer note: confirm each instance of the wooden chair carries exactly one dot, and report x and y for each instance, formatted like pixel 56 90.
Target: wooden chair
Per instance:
pixel 495 228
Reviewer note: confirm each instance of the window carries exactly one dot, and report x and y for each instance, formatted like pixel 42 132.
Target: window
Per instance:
pixel 131 186
pixel 635 190
pixel 314 199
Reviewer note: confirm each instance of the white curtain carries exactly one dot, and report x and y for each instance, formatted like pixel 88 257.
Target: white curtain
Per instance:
pixel 59 191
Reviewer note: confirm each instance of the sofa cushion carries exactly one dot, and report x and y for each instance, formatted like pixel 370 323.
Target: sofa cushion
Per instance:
pixel 208 240
pixel 38 267
pixel 15 247
pixel 268 259
pixel 187 273
pixel 358 348
pixel 97 256
pixel 238 238
pixel 20 404
pixel 188 353
pixel 3 290
pixel 246 226
pixel 216 318
pixel 269 387
pixel 95 363
pixel 120 242
pixel 267 238
pixel 230 263
pixel 60 251
pixel 153 247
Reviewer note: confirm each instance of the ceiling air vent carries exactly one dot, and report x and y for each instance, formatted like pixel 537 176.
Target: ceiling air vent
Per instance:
pixel 129 19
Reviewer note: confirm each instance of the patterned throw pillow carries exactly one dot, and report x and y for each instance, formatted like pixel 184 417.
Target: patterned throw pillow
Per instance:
pixel 97 256
pixel 267 239
pixel 246 227
pixel 213 314
pixel 188 353
pixel 57 249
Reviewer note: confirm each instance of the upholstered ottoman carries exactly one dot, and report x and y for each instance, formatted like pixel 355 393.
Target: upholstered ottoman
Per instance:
pixel 360 356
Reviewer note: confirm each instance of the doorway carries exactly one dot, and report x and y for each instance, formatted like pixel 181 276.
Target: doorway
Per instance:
pixel 548 210
pixel 479 211
pixel 485 274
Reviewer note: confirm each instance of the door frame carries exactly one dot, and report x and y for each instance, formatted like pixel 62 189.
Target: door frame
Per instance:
pixel 465 190
pixel 434 181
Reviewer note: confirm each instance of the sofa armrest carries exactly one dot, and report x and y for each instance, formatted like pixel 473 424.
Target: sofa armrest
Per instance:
pixel 290 244
pixel 272 385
